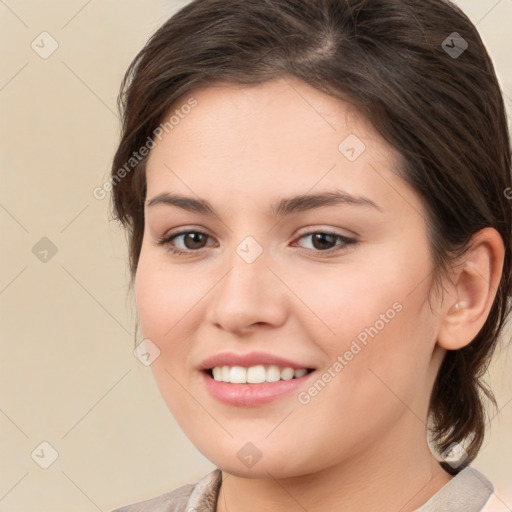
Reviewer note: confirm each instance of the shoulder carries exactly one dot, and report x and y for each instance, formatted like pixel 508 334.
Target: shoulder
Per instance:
pixel 200 495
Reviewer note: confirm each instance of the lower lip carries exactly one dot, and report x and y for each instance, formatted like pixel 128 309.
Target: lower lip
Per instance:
pixel 250 395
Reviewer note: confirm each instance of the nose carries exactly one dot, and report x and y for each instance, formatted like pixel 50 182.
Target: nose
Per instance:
pixel 249 295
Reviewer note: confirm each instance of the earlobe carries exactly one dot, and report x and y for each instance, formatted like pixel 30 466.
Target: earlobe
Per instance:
pixel 460 305
pixel 475 283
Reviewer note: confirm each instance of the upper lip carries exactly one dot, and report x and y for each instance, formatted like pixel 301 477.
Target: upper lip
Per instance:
pixel 249 359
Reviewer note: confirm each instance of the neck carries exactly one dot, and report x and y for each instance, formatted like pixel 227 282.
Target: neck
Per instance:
pixel 398 474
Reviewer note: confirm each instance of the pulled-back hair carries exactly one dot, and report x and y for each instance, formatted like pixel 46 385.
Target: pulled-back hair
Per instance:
pixel 400 64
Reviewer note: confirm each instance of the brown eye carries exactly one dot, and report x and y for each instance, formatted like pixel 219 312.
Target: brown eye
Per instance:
pixel 321 241
pixel 190 242
pixel 194 239
pixel 184 242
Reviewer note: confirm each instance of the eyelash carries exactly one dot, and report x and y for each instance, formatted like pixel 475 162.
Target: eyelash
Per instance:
pixel 167 240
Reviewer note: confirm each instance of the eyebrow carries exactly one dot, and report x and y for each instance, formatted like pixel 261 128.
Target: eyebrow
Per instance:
pixel 281 208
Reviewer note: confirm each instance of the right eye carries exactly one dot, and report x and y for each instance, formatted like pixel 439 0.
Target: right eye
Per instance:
pixel 191 241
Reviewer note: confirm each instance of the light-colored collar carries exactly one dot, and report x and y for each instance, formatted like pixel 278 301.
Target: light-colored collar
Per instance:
pixel 468 491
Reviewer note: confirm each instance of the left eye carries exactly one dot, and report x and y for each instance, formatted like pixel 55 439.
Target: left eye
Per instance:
pixel 324 241
pixel 194 241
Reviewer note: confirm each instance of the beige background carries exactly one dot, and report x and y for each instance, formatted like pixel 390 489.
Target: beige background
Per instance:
pixel 68 374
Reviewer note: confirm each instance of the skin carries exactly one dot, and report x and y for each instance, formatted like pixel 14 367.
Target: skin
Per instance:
pixel 242 148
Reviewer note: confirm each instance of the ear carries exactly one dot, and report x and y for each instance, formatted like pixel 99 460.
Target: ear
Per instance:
pixel 475 282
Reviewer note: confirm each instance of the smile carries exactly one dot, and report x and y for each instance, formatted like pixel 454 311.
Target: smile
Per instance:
pixel 246 394
pixel 255 374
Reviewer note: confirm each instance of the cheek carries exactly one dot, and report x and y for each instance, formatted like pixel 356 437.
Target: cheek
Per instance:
pixel 164 294
pixel 373 319
pixel 161 307
pixel 362 297
pixel 164 299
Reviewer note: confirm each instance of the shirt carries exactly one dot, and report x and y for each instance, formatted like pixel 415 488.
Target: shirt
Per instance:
pixel 468 491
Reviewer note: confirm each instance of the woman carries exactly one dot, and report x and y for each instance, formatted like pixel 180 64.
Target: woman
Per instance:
pixel 315 194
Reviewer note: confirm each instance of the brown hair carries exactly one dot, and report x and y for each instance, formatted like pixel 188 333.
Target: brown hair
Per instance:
pixel 394 60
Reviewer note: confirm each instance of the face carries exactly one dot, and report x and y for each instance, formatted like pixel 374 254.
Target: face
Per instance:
pixel 247 275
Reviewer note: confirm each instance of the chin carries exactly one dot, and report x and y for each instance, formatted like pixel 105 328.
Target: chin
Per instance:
pixel 249 461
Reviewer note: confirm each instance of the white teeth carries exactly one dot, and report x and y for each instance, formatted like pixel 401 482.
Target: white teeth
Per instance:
pixel 300 373
pixel 273 373
pixel 238 375
pixel 255 374
pixel 287 373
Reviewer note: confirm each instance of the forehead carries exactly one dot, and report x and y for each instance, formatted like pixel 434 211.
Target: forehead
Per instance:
pixel 279 135
pixel 278 114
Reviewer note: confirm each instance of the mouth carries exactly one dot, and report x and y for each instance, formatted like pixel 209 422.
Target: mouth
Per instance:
pixel 253 378
pixel 256 374
pixel 254 386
